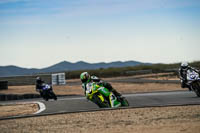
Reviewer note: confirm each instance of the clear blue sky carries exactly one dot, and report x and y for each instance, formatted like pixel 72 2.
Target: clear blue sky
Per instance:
pixel 40 33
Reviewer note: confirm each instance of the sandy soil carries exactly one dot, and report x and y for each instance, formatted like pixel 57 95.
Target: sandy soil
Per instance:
pixel 18 109
pixel 145 87
pixel 185 119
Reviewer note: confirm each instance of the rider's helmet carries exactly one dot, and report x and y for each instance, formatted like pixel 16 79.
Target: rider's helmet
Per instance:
pixel 38 80
pixel 85 77
pixel 184 65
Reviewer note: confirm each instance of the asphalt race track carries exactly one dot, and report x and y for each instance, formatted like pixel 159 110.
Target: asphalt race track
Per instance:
pixel 137 100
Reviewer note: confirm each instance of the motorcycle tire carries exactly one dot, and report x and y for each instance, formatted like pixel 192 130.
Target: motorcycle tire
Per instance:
pixel 124 102
pixel 53 95
pixel 55 98
pixel 46 99
pixel 98 101
pixel 196 87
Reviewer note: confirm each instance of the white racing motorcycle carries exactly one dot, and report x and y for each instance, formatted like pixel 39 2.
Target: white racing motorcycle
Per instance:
pixel 193 81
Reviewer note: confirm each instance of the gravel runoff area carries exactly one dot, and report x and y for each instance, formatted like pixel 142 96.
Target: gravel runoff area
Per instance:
pixel 18 109
pixel 176 119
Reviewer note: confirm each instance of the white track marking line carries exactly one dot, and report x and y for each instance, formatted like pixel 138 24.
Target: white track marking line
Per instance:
pixel 42 107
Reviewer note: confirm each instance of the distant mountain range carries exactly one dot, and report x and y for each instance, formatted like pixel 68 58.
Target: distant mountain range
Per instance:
pixel 6 71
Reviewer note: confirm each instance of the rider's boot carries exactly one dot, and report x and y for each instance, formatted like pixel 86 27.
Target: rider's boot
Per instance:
pixel 184 85
pixel 111 89
pixel 117 94
pixel 189 88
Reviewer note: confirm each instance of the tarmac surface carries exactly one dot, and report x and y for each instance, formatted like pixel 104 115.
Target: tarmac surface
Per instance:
pixel 75 104
pixel 138 100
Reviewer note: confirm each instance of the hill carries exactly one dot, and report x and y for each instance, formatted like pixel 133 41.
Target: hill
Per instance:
pixel 6 71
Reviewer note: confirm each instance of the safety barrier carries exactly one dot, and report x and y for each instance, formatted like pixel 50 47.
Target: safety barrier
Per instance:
pixel 3 85
pixel 6 97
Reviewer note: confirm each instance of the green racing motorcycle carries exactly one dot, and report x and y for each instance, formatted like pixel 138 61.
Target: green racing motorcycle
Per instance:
pixel 103 97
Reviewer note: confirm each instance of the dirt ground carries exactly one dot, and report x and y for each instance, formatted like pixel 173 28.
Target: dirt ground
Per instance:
pixel 177 119
pixel 18 109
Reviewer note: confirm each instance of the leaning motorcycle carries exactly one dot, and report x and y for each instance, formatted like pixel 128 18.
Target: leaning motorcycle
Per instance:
pixel 103 97
pixel 193 81
pixel 47 92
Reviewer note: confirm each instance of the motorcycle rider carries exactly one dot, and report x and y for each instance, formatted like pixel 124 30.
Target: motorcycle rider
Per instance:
pixel 39 83
pixel 183 74
pixel 86 78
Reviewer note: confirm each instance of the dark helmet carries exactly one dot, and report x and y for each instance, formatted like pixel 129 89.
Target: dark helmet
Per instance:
pixel 184 65
pixel 38 80
pixel 85 77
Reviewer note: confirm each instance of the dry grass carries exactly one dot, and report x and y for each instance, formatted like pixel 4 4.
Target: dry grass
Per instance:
pixel 184 119
pixel 18 109
pixel 145 87
pixel 19 90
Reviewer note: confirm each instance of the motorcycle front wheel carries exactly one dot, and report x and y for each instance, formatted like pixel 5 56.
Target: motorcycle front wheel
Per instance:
pixel 99 102
pixel 123 101
pixel 196 88
pixel 53 95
